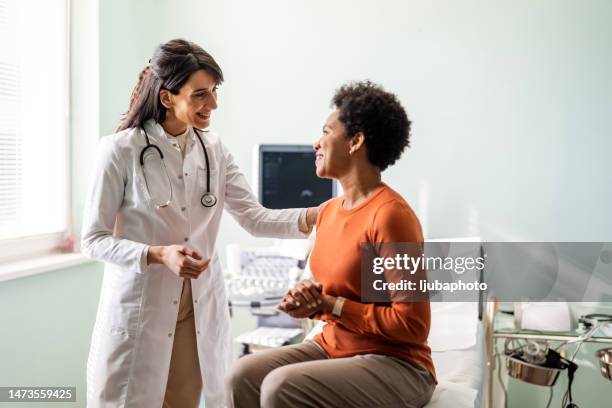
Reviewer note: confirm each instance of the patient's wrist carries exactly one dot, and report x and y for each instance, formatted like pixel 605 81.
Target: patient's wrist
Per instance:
pixel 328 303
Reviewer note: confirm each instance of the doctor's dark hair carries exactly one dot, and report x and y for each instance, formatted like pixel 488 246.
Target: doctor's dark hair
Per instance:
pixel 170 67
pixel 366 107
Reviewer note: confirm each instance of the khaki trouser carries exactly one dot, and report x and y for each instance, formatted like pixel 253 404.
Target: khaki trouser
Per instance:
pixel 302 375
pixel 184 379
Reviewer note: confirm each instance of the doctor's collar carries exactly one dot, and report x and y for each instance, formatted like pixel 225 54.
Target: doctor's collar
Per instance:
pixel 158 130
pixel 186 133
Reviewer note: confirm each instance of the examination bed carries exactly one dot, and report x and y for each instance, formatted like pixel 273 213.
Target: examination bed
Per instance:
pixel 457 340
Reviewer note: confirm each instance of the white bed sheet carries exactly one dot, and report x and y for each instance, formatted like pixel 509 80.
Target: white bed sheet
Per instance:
pixel 454 325
pixel 460 376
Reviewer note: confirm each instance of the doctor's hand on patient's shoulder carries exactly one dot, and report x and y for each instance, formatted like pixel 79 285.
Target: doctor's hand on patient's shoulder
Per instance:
pixel 311 216
pixel 308 219
pixel 182 261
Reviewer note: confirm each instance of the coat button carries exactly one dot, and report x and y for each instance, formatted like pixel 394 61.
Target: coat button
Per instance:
pixel 183 208
pixel 186 174
pixel 185 239
pixel 169 334
pixel 180 176
pixel 198 332
pixel 195 301
pixel 175 302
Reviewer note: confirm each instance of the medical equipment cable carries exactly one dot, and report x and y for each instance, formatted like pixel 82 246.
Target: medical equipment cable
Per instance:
pixel 499 372
pixel 550 396
pixel 580 341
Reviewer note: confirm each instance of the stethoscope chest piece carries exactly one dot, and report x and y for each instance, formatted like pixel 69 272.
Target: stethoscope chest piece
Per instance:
pixel 208 199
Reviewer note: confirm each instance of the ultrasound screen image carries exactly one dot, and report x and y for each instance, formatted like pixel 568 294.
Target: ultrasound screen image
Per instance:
pixel 289 180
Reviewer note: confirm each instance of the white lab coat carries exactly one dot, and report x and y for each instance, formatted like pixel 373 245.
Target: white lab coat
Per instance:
pixel 133 333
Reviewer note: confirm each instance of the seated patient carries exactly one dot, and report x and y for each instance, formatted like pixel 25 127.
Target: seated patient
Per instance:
pixel 368 355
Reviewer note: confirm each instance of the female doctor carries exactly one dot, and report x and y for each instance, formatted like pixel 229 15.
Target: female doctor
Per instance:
pixel 160 186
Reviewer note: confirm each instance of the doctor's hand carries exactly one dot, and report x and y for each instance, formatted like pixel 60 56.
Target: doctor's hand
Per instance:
pixel 182 261
pixel 311 216
pixel 308 219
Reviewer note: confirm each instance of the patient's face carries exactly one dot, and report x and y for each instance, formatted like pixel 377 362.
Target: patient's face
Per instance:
pixel 332 149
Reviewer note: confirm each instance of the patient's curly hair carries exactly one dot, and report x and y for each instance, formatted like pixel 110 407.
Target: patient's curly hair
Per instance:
pixel 366 107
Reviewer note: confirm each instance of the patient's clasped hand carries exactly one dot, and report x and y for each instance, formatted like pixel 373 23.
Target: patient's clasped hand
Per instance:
pixel 305 300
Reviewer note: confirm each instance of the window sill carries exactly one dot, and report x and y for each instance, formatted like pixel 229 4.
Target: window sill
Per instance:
pixel 52 262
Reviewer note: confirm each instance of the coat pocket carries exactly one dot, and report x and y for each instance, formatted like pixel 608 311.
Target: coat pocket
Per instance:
pixel 125 310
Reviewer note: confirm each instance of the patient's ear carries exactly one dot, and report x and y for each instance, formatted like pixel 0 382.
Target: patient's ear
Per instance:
pixel 357 142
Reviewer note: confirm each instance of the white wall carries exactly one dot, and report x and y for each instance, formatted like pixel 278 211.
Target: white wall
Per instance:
pixel 510 100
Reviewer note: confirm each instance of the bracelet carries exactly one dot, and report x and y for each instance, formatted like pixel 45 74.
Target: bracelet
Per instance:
pixel 337 309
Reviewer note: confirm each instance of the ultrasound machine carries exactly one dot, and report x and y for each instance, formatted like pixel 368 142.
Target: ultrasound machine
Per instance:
pixel 259 277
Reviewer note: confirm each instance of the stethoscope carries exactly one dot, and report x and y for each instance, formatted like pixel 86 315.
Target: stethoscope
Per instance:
pixel 208 199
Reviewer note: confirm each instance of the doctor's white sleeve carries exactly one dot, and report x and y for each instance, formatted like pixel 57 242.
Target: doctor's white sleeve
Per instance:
pixel 103 203
pixel 259 221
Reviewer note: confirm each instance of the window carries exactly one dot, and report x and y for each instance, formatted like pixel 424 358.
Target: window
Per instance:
pixel 34 167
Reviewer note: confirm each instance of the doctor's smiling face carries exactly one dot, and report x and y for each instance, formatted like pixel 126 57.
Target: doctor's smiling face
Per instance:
pixel 193 105
pixel 177 89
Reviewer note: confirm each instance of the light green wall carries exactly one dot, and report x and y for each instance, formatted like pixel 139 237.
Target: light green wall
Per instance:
pixel 45 327
pixel 129 32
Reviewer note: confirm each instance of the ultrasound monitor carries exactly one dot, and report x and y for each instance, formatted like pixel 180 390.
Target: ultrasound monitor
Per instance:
pixel 285 177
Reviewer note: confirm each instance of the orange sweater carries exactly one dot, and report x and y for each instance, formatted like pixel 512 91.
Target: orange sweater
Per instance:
pixel 395 329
